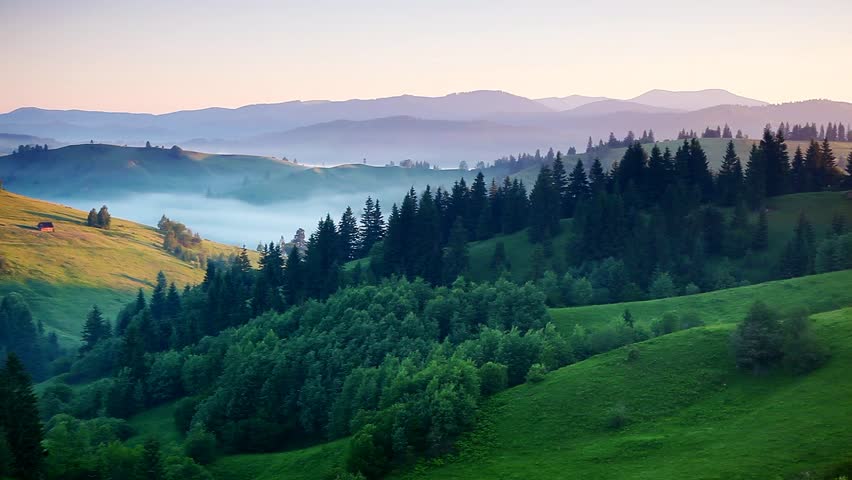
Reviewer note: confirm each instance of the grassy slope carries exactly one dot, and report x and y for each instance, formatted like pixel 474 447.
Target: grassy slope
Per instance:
pixel 62 274
pixel 692 415
pixel 157 422
pixel 319 462
pixel 818 293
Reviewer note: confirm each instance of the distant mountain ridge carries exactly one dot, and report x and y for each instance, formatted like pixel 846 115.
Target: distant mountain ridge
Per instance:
pixel 473 126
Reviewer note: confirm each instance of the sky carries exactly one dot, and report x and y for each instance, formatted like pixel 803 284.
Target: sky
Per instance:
pixel 166 55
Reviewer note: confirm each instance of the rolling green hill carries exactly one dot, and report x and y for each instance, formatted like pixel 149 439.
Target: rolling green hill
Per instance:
pixel 817 293
pixel 88 169
pixel 690 413
pixel 61 274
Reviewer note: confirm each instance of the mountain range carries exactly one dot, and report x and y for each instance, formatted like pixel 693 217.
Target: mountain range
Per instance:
pixel 472 126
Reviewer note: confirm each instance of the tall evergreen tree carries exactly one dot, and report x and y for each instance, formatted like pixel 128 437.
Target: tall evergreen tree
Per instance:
pixel 578 189
pixel 755 177
pixel 293 278
pixel 561 183
pixel 659 177
pixel 104 218
pixel 799 175
pixel 347 235
pixel 92 219
pixel 152 464
pixel 94 330
pixel 776 162
pixel 597 177
pixel 730 178
pixel 544 219
pixel 455 260
pixel 760 240
pixel 19 419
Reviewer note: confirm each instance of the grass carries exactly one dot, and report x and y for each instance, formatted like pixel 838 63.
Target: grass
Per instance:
pixel 817 293
pixel 157 422
pixel 690 414
pixel 62 274
pixel 320 461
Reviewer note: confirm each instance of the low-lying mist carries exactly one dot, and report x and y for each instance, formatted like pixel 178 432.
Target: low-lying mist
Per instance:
pixel 227 220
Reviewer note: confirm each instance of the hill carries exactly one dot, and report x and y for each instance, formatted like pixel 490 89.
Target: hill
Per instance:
pixel 690 413
pixel 96 169
pixel 62 274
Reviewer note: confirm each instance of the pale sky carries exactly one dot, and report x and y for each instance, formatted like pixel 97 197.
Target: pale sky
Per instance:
pixel 159 56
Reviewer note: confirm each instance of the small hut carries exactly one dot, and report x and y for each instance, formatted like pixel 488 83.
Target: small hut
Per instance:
pixel 45 226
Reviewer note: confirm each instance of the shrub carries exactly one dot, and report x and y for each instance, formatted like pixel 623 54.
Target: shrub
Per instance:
pixel 632 354
pixel 536 373
pixel 200 445
pixel 662 287
pixel 758 339
pixel 493 378
pixel 802 351
pixel 691 289
pixel 184 411
pixel 617 418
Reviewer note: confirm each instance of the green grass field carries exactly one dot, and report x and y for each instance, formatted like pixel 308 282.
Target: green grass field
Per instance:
pixel 319 462
pixel 158 423
pixel 62 274
pixel 817 293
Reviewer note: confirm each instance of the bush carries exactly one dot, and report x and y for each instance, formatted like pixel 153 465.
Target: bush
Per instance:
pixel 662 287
pixel 493 378
pixel 536 373
pixel 184 411
pixel 758 339
pixel 617 418
pixel 200 445
pixel 802 351
pixel 364 456
pixel 632 354
pixel 691 289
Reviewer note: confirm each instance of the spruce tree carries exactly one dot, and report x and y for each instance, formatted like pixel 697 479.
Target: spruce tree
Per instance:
pixel 544 218
pixel 798 173
pixel 293 281
pixel 730 178
pixel 578 189
pixel 94 330
pixel 659 174
pixel 597 177
pixel 561 184
pixel 347 235
pixel 847 181
pixel 755 178
pixel 455 260
pixel 19 419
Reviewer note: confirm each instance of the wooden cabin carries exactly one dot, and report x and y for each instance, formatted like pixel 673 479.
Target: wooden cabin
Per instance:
pixel 45 226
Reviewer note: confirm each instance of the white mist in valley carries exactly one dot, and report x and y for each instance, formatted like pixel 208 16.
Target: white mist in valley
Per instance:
pixel 227 220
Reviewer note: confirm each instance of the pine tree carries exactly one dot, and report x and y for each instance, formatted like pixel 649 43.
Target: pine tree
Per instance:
pixel 455 260
pixel 730 178
pixel 94 330
pixel 776 163
pixel 561 184
pixel 755 178
pixel 597 177
pixel 847 181
pixel 578 189
pixel 659 174
pixel 478 199
pixel 19 419
pixel 347 235
pixel 544 219
pixel 799 180
pixel 293 281
pixel 158 297
pixel 829 176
